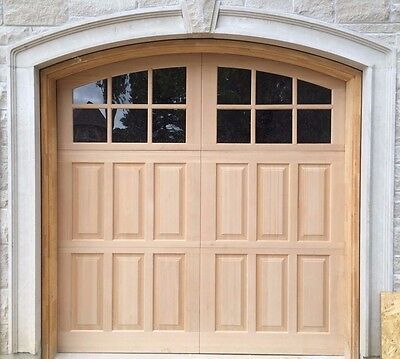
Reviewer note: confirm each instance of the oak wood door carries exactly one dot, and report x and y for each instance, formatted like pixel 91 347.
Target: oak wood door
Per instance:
pixel 272 203
pixel 201 208
pixel 129 213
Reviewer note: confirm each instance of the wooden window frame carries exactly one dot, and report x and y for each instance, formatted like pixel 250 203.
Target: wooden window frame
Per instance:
pixel 48 131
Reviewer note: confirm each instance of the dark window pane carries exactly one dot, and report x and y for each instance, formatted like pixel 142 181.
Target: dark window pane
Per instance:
pixel 308 93
pixel 314 126
pixel 130 88
pixel 129 125
pixel 234 86
pixel 90 125
pixel 233 126
pixel 95 92
pixel 169 85
pixel 274 126
pixel 169 126
pixel 273 89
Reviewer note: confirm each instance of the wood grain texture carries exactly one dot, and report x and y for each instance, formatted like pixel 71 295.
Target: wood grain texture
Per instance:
pixel 48 134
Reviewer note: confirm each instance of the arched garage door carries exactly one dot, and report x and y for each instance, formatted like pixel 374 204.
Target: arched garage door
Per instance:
pixel 201 208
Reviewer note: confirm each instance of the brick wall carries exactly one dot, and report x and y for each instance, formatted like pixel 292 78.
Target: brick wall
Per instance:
pixel 20 19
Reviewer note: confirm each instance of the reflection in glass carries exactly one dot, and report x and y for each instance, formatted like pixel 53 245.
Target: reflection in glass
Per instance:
pixel 95 92
pixel 90 125
pixel 274 126
pixel 129 125
pixel 233 126
pixel 234 86
pixel 273 89
pixel 314 126
pixel 169 126
pixel 130 88
pixel 169 85
pixel 308 93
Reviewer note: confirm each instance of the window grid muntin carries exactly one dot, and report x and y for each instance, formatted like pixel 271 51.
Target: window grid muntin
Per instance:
pixel 109 106
pixel 294 106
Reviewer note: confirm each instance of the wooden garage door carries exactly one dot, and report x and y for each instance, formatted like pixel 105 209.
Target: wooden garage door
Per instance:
pixel 201 208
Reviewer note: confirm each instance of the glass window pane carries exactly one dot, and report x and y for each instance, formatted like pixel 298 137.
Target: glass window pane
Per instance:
pixel 129 125
pixel 95 92
pixel 314 126
pixel 169 85
pixel 274 126
pixel 233 126
pixel 308 93
pixel 273 89
pixel 234 86
pixel 90 125
pixel 130 88
pixel 169 126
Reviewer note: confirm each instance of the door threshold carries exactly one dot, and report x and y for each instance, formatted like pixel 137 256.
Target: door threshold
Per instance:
pixel 189 356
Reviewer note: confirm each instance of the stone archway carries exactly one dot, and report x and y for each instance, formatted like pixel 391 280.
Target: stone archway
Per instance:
pixel 376 61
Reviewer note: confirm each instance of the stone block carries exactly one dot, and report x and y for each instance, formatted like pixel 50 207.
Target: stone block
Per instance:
pixel 232 2
pixel 154 3
pixel 388 39
pixel 277 5
pixel 3 339
pixel 395 13
pixel 3 306
pixel 396 264
pixel 319 9
pixel 12 34
pixel 362 10
pixel 397 182
pixel 396 229
pixel 200 14
pixel 3 266
pixel 35 12
pixel 3 198
pixel 396 283
pixel 3 94
pixel 3 175
pixel 397 206
pixel 3 225
pixel 374 27
pixel 91 8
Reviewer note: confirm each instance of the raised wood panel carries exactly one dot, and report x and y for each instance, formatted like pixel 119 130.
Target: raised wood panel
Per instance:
pixel 232 201
pixel 169 194
pixel 87 200
pixel 87 291
pixel 272 198
pixel 169 291
pixel 314 202
pixel 128 277
pixel 231 292
pixel 128 201
pixel 313 294
pixel 272 293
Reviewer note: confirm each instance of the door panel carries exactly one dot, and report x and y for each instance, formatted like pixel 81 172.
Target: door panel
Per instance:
pixel 129 213
pixel 134 288
pixel 264 292
pixel 272 293
pixel 128 290
pixel 272 233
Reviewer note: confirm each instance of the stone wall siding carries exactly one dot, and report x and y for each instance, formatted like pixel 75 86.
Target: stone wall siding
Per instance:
pixel 20 19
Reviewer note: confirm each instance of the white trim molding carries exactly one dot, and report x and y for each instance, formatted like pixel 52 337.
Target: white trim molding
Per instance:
pixel 378 119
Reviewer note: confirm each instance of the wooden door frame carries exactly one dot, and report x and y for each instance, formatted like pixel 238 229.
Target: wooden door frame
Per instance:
pixel 48 131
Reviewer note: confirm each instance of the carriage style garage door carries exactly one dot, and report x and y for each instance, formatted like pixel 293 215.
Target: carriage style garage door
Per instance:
pixel 201 208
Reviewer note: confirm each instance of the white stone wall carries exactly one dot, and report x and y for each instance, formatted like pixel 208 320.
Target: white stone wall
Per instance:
pixel 20 19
